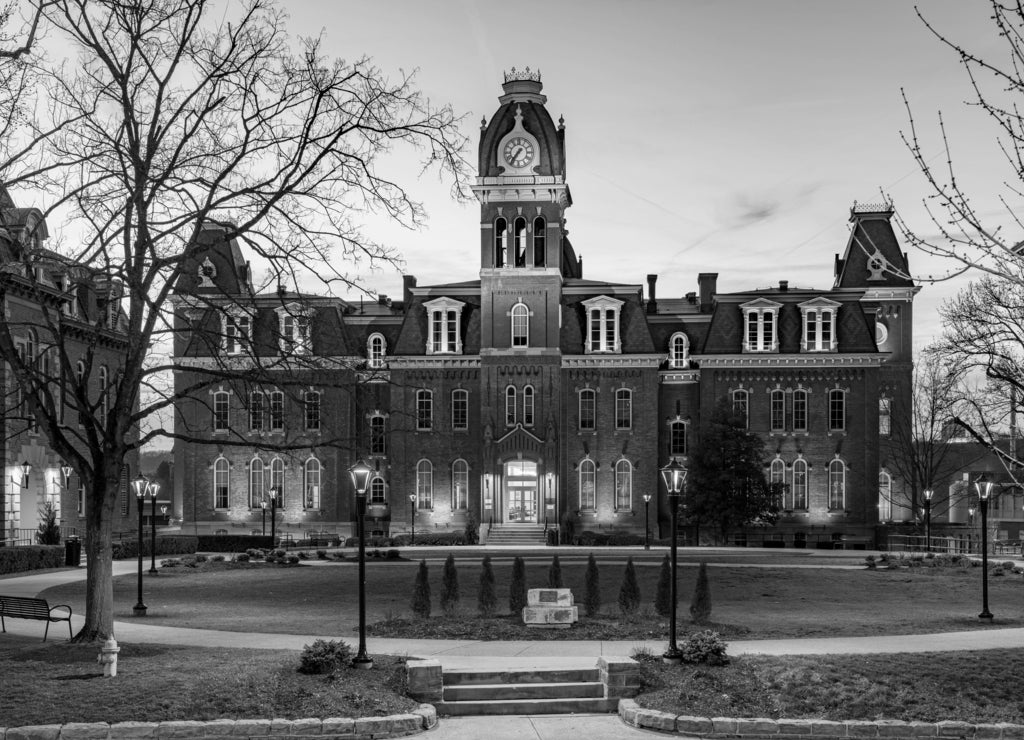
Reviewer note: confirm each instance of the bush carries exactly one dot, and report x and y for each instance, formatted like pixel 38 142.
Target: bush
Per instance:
pixel 629 593
pixel 517 589
pixel 869 561
pixel 201 558
pixel 231 542
pixel 165 545
pixel 255 554
pixel 321 554
pixel 592 588
pixel 427 539
pixel 555 574
pixel 450 587
pixel 421 592
pixel 242 557
pixel 551 537
pixel 216 558
pixel 324 656
pixel 293 560
pixel 472 531
pixel 30 557
pixel 663 598
pixel 700 607
pixel 170 563
pixel 704 647
pixel 486 599
pixel 49 530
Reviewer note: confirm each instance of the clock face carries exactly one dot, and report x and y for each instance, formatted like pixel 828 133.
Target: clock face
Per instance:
pixel 518 152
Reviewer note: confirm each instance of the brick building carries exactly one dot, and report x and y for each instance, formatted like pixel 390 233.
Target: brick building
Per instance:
pixel 531 393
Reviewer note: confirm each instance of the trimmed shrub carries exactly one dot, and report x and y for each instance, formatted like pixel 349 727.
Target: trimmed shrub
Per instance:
pixel 704 647
pixel 231 542
pixel 321 554
pixel 324 656
pixel 555 574
pixel 472 530
pixel 629 593
pixel 450 587
pixel 421 592
pixel 486 599
pixel 30 557
pixel 517 589
pixel 165 545
pixel 424 539
pixel 700 607
pixel 392 555
pixel 663 598
pixel 216 558
pixel 242 557
pixel 592 588
pixel 49 530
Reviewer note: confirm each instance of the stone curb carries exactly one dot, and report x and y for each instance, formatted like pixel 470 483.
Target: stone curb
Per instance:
pixel 805 729
pixel 332 728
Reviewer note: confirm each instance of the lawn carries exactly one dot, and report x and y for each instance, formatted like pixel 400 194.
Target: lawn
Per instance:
pixel 748 602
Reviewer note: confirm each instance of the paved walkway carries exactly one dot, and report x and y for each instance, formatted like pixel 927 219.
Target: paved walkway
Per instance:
pixel 480 654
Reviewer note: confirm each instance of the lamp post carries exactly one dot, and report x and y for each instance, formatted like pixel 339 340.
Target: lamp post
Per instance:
pixel 263 505
pixel 274 491
pixel 139 485
pixel 360 473
pixel 26 468
pixel 154 489
pixel 928 492
pixel 647 521
pixel 970 528
pixel 412 517
pixel 984 491
pixel 674 476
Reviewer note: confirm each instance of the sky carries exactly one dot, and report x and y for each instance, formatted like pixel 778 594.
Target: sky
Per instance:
pixel 729 137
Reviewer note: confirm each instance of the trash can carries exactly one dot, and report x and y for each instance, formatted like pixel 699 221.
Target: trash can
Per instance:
pixel 72 552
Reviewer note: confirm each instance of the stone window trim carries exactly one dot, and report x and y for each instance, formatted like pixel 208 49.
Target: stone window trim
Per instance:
pixel 424 410
pixel 257 480
pixel 275 411
pixel 424 485
pixel 602 326
pixel 819 325
pixel 760 326
pixel 376 351
pixel 586 471
pixel 837 470
pixel 444 326
pixel 836 409
pixel 220 408
pixel 777 403
pixel 294 325
pixel 740 400
pixel 236 328
pixel 678 437
pixel 221 468
pixel 679 351
pixel 884 496
pixel 378 489
pixel 519 321
pixel 623 409
pixel 460 410
pixel 511 396
pixel 312 473
pixel 587 410
pixel 460 485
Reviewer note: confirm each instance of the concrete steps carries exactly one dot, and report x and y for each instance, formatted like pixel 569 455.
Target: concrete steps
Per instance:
pixel 524 692
pixel 516 534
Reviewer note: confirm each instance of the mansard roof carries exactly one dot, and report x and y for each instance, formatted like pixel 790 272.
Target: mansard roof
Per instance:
pixel 872 243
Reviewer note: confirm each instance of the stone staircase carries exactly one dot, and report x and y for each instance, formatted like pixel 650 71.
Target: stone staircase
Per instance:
pixel 511 535
pixel 524 692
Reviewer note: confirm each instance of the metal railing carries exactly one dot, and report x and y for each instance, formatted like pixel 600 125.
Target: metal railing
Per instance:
pixel 21 536
pixel 958 544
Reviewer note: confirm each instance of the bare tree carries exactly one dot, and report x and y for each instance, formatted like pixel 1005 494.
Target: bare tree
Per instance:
pixel 172 114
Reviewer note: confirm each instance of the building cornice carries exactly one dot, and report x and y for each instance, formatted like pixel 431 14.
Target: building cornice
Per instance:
pixel 890 294
pixel 268 364
pixel 612 360
pixel 434 362
pixel 679 377
pixel 817 359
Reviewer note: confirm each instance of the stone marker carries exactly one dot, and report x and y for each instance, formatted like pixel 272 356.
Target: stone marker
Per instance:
pixel 551 608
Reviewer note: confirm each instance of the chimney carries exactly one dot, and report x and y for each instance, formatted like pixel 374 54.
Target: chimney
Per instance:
pixel 783 285
pixel 652 296
pixel 691 298
pixel 408 283
pixel 707 284
pixel 383 300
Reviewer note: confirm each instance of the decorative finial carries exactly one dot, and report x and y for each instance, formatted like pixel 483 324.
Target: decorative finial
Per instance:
pixel 483 123
pixel 561 123
pixel 525 74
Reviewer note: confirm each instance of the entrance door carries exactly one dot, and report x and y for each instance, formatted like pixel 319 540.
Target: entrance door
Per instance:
pixel 521 484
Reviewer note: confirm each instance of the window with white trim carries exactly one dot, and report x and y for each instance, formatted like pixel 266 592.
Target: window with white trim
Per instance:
pixel 221 483
pixel 460 485
pixel 679 351
pixel 520 325
pixel 760 321
pixel 424 410
pixel 424 485
pixel 510 406
pixel 256 481
pixel 519 241
pixel 277 411
pixel 376 350
pixel 799 487
pixel 819 325
pixel 460 409
pixel 277 480
pixel 295 339
pixel 378 435
pixel 623 485
pixel 836 485
pixel 221 411
pixel 587 408
pixel 539 240
pixel 741 406
pixel 884 496
pixel 836 410
pixel 588 485
pixel 602 325
pixel 311 474
pixel 777 479
pixel 500 241
pixel 311 404
pixel 378 491
pixel 800 410
pixel 677 438
pixel 444 333
pixel 623 408
pixel 236 333
pixel 528 406
pixel 256 411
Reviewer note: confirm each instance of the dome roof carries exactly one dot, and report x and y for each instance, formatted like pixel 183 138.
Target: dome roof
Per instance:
pixel 522 97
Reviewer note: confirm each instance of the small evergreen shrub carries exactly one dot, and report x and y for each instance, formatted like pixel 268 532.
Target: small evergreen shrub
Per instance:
pixel 170 563
pixel 217 558
pixel 321 554
pixel 472 531
pixel 517 589
pixel 324 656
pixel 869 561
pixel 49 530
pixel 486 599
pixel 592 588
pixel 705 647
pixel 293 560
pixel 555 574
pixel 450 587
pixel 700 607
pixel 242 557
pixel 663 597
pixel 200 558
pixel 629 592
pixel 421 592
pixel 392 554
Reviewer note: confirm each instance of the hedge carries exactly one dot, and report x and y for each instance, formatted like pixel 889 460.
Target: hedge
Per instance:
pixel 31 557
pixel 426 539
pixel 233 542
pixel 604 539
pixel 165 545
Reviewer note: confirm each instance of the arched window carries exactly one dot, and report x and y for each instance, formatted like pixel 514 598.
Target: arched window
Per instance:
pixel 623 485
pixel 800 410
pixel 679 351
pixel 312 483
pixel 424 485
pixel 255 482
pixel 378 435
pixel 777 478
pixel 277 479
pixel 884 497
pixel 528 397
pixel 741 406
pixel 587 403
pixel 677 438
pixel 778 410
pixel 836 410
pixel 460 485
pixel 836 485
pixel 221 481
pixel 378 491
pixel 221 415
pixel 424 410
pixel 588 485
pixel 519 241
pixel 623 408
pixel 799 487
pixel 520 325
pixel 311 401
pixel 539 242
pixel 500 242
pixel 376 348
pixel 460 409
pixel 510 406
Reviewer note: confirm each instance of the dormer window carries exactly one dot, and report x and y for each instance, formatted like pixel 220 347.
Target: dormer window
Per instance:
pixel 760 326
pixel 445 335
pixel 603 325
pixel 294 327
pixel 678 351
pixel 237 331
pixel 376 350
pixel 819 318
pixel 207 274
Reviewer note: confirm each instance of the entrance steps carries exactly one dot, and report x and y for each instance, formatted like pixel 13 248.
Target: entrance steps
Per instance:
pixel 534 691
pixel 516 534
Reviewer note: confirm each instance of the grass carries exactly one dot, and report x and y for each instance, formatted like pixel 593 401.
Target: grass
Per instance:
pixel 979 687
pixel 62 682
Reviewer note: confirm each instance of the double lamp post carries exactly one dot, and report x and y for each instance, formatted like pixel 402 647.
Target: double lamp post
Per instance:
pixel 142 488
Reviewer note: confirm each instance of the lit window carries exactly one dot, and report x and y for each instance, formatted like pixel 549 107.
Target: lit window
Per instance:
pixel 424 485
pixel 836 410
pixel 277 411
pixel 424 410
pixel 623 408
pixel 378 435
pixel 312 476
pixel 678 351
pixel 255 482
pixel 460 410
pixel 800 410
pixel 500 242
pixel 539 240
pixel 623 485
pixel 376 348
pixel 884 497
pixel 819 317
pixel 759 320
pixel 220 483
pixel 677 438
pixel 799 488
pixel 256 401
pixel 602 324
pixel 588 492
pixel 460 485
pixel 741 406
pixel 520 325
pixel 378 491
pixel 519 241
pixel 311 401
pixel 836 485
pixel 587 404
pixel 884 417
pixel 510 406
pixel 777 478
pixel 221 416
pixel 294 331
pixel 528 398
pixel 277 479
pixel 445 336
pixel 778 403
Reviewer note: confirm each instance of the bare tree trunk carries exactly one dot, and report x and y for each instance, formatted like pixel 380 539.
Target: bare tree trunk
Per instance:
pixel 99 602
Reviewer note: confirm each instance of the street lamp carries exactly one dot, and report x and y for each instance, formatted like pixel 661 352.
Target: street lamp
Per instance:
pixel 674 476
pixel 928 492
pixel 984 491
pixel 274 492
pixel 154 489
pixel 360 473
pixel 139 485
pixel 26 468
pixel 647 521
pixel 263 505
pixel 412 516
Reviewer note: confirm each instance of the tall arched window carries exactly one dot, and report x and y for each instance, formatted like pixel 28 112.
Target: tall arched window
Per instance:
pixel 679 351
pixel 378 435
pixel 588 485
pixel 777 478
pixel 677 438
pixel 424 485
pixel 255 482
pixel 500 242
pixel 312 484
pixel 528 398
pixel 539 242
pixel 221 482
pixel 623 408
pixel 587 404
pixel 623 485
pixel 741 406
pixel 376 348
pixel 799 487
pixel 510 406
pixel 884 497
pixel 424 410
pixel 519 241
pixel 520 325
pixel 378 491
pixel 221 406
pixel 836 485
pixel 277 479
pixel 460 485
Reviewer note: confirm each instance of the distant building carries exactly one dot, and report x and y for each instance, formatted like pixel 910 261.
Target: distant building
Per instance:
pixel 530 395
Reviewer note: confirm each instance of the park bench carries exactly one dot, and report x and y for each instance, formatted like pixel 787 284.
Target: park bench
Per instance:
pixel 321 538
pixel 25 607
